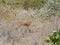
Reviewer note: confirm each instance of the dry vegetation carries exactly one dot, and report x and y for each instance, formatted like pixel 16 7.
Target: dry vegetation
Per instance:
pixel 28 22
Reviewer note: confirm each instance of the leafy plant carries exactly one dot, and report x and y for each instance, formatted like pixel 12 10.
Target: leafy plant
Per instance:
pixel 54 39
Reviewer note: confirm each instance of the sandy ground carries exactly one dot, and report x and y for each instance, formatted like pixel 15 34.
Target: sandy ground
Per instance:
pixel 21 27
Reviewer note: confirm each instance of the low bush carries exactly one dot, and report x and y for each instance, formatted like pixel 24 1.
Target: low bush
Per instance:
pixel 54 39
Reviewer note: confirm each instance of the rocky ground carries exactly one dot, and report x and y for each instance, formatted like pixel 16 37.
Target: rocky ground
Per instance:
pixel 26 27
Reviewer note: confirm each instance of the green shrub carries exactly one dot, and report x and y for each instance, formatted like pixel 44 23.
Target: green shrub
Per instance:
pixel 54 39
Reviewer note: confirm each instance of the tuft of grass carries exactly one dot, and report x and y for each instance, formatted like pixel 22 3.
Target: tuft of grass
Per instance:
pixel 34 3
pixel 25 3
